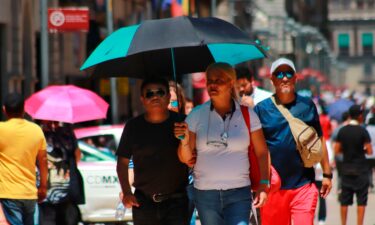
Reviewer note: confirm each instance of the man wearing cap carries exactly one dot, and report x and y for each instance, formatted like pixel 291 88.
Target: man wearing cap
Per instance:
pixel 296 200
pixel 354 142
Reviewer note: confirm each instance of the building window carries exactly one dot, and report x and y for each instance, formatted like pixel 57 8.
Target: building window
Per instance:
pixel 360 4
pixel 370 3
pixel 367 44
pixel 310 3
pixel 367 69
pixel 346 4
pixel 343 40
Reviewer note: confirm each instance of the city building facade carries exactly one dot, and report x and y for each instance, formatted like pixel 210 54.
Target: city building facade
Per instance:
pixel 352 23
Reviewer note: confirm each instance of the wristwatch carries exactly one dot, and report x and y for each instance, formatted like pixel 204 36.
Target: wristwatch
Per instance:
pixel 327 175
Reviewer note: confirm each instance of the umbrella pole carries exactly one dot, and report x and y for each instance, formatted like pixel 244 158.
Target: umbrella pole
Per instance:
pixel 175 79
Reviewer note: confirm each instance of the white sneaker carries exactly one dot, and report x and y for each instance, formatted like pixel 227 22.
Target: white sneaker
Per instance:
pixel 321 222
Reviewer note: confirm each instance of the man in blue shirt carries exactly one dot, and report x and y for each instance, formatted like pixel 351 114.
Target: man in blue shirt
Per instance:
pixel 296 200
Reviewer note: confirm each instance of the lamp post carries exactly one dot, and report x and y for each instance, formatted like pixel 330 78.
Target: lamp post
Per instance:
pixel 113 81
pixel 213 8
pixel 44 42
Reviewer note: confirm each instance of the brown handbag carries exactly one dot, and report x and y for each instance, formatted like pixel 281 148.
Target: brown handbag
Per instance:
pixel 308 142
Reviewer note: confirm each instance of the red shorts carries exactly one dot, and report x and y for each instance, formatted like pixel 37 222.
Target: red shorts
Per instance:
pixel 297 205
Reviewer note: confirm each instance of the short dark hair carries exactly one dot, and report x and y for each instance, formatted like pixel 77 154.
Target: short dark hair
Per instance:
pixel 155 80
pixel 14 104
pixel 244 72
pixel 345 116
pixel 355 111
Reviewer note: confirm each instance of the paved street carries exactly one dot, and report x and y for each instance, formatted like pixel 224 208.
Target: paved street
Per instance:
pixel 333 210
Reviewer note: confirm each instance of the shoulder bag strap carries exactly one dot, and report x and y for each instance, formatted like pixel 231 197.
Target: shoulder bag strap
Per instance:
pixel 254 168
pixel 284 111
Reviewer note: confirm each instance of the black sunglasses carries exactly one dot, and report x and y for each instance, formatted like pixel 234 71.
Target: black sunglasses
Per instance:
pixel 151 93
pixel 280 75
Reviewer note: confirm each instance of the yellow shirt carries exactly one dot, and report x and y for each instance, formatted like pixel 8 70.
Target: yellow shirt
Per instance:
pixel 20 142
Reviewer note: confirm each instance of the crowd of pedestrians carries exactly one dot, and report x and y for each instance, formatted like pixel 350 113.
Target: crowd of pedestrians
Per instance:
pixel 187 158
pixel 214 142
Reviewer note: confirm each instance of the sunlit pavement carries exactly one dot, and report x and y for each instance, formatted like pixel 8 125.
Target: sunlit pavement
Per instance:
pixel 333 209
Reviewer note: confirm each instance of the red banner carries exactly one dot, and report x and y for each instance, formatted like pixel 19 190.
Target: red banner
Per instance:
pixel 68 19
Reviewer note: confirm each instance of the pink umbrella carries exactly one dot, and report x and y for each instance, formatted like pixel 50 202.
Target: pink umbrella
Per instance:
pixel 66 103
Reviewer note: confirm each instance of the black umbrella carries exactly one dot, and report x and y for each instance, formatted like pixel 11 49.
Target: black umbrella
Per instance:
pixel 170 47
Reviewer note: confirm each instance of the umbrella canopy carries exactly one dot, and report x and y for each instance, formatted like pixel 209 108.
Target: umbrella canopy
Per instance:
pixel 336 109
pixel 170 47
pixel 66 103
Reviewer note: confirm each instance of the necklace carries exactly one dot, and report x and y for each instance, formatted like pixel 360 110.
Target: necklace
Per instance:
pixel 224 135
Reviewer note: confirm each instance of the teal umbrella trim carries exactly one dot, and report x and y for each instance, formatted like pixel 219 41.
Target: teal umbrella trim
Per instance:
pixel 235 53
pixel 109 48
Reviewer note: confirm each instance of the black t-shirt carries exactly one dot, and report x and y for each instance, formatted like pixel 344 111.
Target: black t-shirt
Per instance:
pixel 352 139
pixel 153 149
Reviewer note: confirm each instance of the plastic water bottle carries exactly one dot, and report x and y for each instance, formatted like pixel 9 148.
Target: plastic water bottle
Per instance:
pixel 120 211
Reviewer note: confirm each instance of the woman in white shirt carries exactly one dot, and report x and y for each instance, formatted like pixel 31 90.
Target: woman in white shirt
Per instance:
pixel 215 142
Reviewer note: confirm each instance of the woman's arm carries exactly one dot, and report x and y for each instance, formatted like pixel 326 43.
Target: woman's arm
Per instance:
pixel 186 150
pixel 262 154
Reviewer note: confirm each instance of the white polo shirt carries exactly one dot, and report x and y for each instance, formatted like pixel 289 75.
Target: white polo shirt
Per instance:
pixel 220 167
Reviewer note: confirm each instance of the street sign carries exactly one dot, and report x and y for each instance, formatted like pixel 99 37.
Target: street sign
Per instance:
pixel 68 19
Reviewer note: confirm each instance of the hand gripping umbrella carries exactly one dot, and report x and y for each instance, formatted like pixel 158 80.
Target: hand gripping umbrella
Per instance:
pixel 171 47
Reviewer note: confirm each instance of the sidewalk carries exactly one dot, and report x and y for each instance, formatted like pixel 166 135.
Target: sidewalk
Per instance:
pixel 333 209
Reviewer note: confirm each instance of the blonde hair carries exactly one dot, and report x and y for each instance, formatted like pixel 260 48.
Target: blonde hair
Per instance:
pixel 228 71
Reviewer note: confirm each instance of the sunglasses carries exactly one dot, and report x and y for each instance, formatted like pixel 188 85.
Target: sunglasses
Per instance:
pixel 280 75
pixel 151 93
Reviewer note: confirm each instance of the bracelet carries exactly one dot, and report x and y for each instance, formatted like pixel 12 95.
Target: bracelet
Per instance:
pixel 264 182
pixel 326 175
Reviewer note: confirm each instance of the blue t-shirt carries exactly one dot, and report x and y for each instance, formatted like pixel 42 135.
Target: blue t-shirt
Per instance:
pixel 280 141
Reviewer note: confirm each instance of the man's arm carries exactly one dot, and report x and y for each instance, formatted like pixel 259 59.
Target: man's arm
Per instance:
pixel 324 163
pixel 77 154
pixel 337 148
pixel 368 148
pixel 129 199
pixel 43 173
